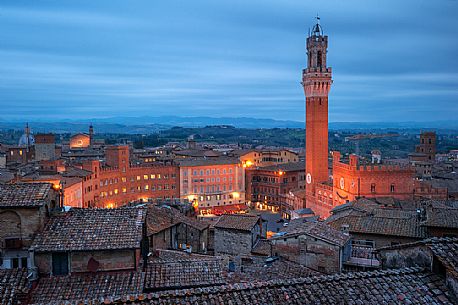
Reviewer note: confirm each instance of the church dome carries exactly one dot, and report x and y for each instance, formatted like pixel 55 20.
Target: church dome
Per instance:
pixel 23 140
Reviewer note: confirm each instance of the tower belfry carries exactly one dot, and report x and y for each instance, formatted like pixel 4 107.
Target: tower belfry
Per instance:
pixel 316 80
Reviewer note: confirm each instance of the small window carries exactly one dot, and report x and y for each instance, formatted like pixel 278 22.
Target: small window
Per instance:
pixel 15 262
pixel 319 57
pixel 373 188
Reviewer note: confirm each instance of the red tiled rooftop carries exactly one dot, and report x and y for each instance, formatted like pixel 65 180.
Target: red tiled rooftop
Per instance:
pixel 237 222
pixel 92 229
pixel 24 194
pixel 87 288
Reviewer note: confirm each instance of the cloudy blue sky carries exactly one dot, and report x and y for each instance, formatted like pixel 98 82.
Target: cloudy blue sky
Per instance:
pixel 392 60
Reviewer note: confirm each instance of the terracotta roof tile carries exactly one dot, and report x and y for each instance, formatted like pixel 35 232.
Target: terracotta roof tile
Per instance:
pixel 208 161
pixel 237 222
pixel 285 167
pixel 406 286
pixel 256 269
pixel 86 288
pixel 92 229
pixel 316 229
pixel 24 194
pixel 446 251
pixel 13 285
pixel 183 274
pixel 162 255
pixel 160 218
pixel 372 219
pixel 442 217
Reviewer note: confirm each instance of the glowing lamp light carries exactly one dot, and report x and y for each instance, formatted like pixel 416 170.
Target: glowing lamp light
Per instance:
pixel 192 198
pixel 281 173
pixel 56 187
pixel 236 195
pixel 248 163
pixel 195 204
pixel 109 206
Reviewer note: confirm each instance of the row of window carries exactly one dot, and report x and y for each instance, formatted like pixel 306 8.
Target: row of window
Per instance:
pixel 268 179
pixel 215 197
pixel 211 189
pixel 213 179
pixel 137 178
pixel 208 172
pixel 266 190
pixel 218 203
pixel 139 188
pixel 373 188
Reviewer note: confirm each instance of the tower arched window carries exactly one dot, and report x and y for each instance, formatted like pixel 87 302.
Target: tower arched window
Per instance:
pixel 373 188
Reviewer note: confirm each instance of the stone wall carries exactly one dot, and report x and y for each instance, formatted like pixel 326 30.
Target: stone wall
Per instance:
pixel 310 252
pixel 161 240
pixel 109 260
pixel 232 242
pixel 406 257
pixel 43 262
pixel 383 240
pixel 188 235
pixel 21 223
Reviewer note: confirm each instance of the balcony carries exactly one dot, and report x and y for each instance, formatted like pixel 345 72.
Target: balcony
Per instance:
pixel 363 256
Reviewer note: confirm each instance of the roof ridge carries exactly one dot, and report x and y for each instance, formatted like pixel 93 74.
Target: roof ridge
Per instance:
pixel 426 242
pixel 277 283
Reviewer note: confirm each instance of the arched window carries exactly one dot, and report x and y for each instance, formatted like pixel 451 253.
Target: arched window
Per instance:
pixel 373 188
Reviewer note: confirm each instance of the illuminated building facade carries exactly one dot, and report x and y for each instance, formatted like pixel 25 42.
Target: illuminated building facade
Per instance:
pixel 212 183
pixel 255 158
pixel 269 187
pixel 119 182
pixel 82 140
pixel 354 180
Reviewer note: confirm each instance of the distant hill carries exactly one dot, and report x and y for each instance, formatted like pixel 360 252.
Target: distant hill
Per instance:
pixel 149 125
pixel 243 122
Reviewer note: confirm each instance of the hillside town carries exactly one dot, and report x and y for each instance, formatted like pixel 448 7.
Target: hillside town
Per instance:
pixel 87 222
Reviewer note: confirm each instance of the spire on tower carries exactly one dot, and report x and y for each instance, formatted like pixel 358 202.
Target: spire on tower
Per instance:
pixel 317 30
pixel 91 134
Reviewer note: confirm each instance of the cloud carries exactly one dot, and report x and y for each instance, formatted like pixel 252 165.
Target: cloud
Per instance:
pixel 61 16
pixel 242 58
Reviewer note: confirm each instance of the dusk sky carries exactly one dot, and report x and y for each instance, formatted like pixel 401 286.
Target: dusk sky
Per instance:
pixel 392 60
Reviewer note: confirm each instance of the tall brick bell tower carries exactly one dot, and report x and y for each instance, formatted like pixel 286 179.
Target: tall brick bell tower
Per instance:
pixel 316 80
